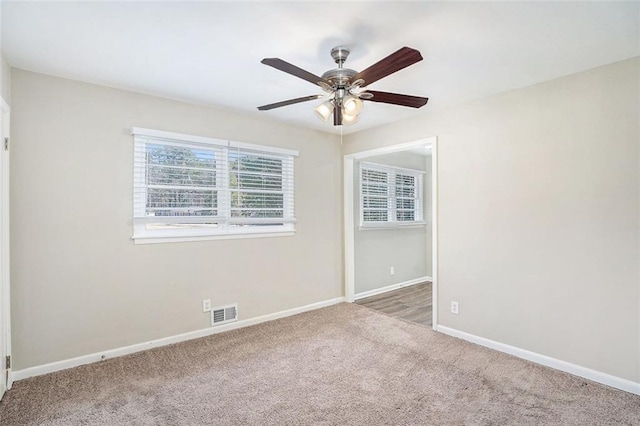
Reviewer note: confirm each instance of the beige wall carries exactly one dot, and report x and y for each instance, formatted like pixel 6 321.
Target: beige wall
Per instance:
pixel 538 215
pixel 408 250
pixel 5 79
pixel 80 285
pixel 5 69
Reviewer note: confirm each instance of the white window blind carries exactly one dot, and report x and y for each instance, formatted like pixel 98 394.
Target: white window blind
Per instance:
pixel 376 194
pixel 189 186
pixel 390 196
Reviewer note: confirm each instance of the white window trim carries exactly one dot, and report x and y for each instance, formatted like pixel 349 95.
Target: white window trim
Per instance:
pixel 187 235
pixel 185 239
pixel 372 226
pixel 391 209
pixel 211 141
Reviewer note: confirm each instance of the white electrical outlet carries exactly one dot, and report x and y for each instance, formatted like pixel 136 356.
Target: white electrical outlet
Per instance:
pixel 392 270
pixel 206 305
pixel 454 307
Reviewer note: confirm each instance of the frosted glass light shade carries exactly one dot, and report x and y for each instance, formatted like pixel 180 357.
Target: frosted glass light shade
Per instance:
pixel 324 110
pixel 348 119
pixel 352 105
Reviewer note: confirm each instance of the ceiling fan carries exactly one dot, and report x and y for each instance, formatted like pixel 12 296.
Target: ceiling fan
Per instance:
pixel 345 88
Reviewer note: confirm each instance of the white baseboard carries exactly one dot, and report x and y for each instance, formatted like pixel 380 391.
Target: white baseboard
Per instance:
pixel 576 370
pixel 126 350
pixel 391 287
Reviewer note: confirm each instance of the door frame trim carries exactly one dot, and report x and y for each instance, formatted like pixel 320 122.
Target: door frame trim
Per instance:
pixel 5 275
pixel 349 208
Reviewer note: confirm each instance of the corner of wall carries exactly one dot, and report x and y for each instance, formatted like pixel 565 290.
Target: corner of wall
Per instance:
pixel 5 78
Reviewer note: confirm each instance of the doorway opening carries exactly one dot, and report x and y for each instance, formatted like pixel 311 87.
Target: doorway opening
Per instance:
pixel 390 198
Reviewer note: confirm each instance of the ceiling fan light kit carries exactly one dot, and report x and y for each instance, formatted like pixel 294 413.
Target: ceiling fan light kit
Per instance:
pixel 346 87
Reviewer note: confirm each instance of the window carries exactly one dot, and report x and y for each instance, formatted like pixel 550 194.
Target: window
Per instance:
pixel 190 188
pixel 390 196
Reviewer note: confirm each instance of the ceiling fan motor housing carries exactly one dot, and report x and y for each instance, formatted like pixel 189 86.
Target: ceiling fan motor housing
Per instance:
pixel 339 77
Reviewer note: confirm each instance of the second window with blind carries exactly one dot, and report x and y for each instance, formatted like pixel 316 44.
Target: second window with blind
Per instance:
pixel 189 187
pixel 390 196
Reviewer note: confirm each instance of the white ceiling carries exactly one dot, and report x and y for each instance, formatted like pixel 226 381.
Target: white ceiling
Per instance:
pixel 209 52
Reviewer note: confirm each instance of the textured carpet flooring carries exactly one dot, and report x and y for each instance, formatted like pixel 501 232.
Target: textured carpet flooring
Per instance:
pixel 340 365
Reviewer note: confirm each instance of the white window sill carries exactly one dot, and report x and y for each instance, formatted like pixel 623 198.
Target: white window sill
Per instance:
pixel 189 238
pixel 391 225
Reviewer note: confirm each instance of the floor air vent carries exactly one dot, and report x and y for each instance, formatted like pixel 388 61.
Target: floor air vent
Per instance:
pixel 224 314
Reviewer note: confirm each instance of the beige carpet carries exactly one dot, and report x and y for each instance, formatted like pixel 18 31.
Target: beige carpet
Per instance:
pixel 340 365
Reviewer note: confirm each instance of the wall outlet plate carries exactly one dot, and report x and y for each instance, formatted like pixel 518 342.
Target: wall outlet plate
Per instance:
pixel 206 305
pixel 392 270
pixel 454 307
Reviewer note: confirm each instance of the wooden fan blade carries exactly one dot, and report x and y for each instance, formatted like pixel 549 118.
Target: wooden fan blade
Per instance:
pixel 284 66
pixel 337 115
pixel 397 99
pixel 289 102
pixel 395 62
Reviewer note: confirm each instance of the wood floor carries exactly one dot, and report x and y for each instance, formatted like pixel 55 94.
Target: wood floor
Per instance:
pixel 410 303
